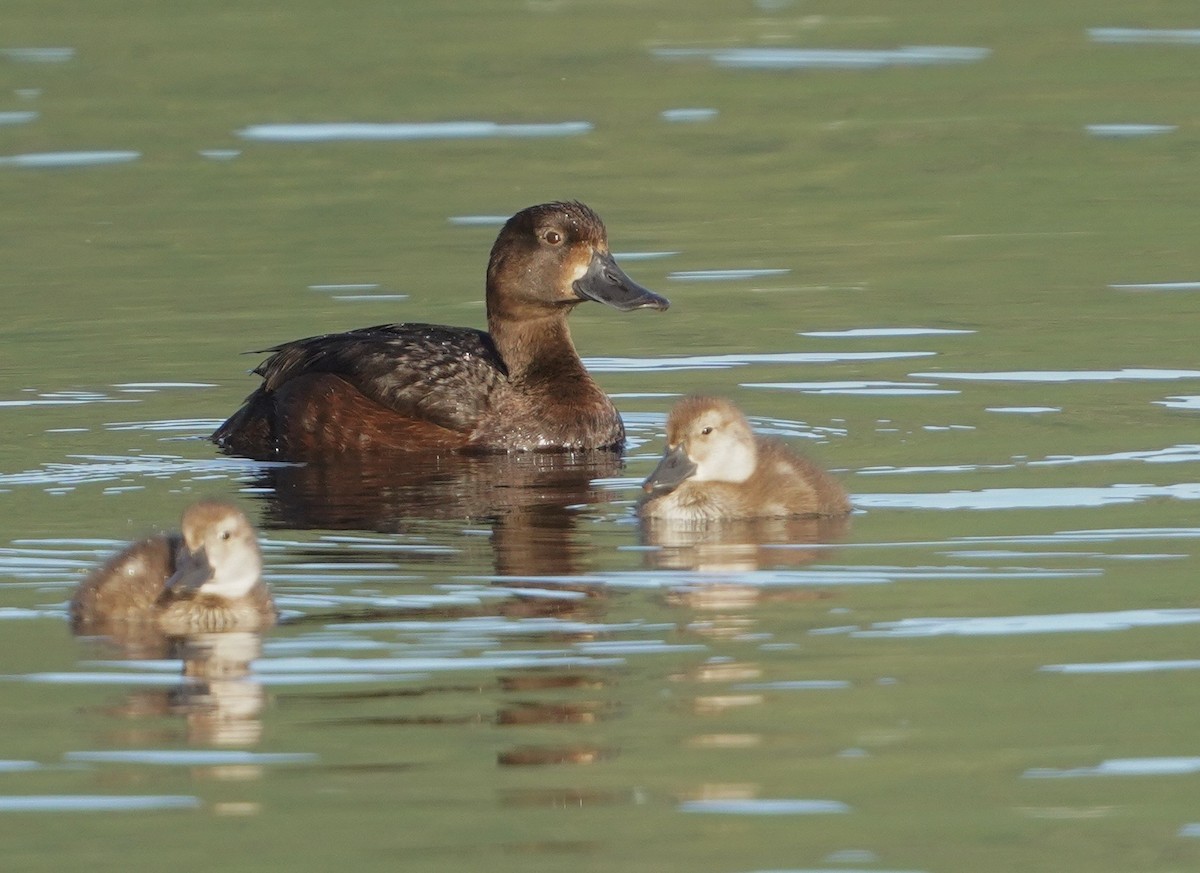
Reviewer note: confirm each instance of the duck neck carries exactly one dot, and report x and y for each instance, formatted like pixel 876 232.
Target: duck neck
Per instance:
pixel 537 349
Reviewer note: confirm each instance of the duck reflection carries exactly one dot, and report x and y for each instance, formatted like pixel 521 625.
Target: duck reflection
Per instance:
pixel 528 499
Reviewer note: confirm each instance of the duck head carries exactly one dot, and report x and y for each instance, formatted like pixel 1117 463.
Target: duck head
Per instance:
pixel 219 555
pixel 708 440
pixel 555 256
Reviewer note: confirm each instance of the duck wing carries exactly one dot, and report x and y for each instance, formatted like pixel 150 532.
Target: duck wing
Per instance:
pixel 442 375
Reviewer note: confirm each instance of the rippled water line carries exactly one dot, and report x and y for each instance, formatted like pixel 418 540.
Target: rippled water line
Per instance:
pixel 1124 131
pixel 1179 766
pixel 754 806
pixel 38 55
pixel 1161 36
pixel 102 678
pixel 106 468
pixel 721 362
pixel 828 59
pixel 1029 498
pixel 501 661
pixel 688 115
pixel 96 802
pixel 1188 453
pixel 1121 667
pixel 884 332
pixel 1134 374
pixel 867 388
pixel 1089 536
pixel 1159 286
pixel 187 757
pixel 1181 402
pixel 1019 625
pixel 725 275
pixel 1185 453
pixel 367 131
pixel 55 160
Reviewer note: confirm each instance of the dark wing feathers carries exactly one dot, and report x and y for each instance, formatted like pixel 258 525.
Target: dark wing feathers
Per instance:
pixel 443 375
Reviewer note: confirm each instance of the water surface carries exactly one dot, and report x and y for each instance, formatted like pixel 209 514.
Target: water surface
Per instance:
pixel 947 253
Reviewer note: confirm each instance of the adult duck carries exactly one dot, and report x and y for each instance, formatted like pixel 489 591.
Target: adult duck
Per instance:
pixel 420 387
pixel 715 467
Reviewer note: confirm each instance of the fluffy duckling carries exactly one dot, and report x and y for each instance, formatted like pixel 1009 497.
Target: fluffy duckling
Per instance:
pixel 204 579
pixel 714 467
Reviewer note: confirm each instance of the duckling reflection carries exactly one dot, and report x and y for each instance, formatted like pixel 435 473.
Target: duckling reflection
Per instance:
pixel 219 698
pixel 715 467
pixel 206 578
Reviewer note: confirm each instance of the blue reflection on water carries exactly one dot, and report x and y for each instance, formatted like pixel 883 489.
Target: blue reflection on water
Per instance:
pixel 95 802
pixel 752 806
pixel 830 59
pixel 53 160
pixel 1143 35
pixel 1121 767
pixel 334 131
pixel 1122 131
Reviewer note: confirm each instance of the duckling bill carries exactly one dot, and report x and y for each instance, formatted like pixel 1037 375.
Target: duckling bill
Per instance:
pixel 716 467
pixel 519 386
pixel 205 578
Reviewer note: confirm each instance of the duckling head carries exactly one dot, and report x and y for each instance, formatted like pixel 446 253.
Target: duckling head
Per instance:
pixel 219 555
pixel 708 440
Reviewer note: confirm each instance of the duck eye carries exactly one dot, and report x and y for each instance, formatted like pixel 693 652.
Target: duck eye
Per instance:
pixel 553 237
pixel 705 431
pixel 225 534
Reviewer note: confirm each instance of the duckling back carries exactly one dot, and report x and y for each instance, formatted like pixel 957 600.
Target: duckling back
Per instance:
pixel 126 588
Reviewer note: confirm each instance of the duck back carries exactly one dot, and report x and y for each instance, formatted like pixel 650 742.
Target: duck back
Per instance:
pixel 399 384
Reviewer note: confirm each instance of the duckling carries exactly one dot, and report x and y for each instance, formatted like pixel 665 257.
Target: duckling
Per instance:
pixel 519 386
pixel 715 467
pixel 206 578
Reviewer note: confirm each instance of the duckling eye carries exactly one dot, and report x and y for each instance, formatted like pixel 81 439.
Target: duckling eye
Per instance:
pixel 705 431
pixel 225 534
pixel 553 237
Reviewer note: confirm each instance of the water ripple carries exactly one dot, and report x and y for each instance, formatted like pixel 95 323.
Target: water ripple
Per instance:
pixel 54 160
pixel 829 59
pixel 188 757
pixel 1143 35
pixel 108 468
pixel 366 131
pixel 1121 667
pixel 1121 767
pixel 751 806
pixel 1015 625
pixel 883 332
pixel 724 362
pixel 1128 374
pixel 1030 498
pixel 95 802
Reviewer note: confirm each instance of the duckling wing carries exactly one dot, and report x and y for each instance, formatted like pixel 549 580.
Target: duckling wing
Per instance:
pixel 443 375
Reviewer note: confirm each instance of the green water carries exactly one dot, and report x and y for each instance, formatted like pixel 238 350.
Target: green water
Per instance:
pixel 966 197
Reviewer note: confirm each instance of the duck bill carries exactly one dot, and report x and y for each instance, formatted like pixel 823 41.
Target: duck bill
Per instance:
pixel 192 570
pixel 607 283
pixel 671 472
